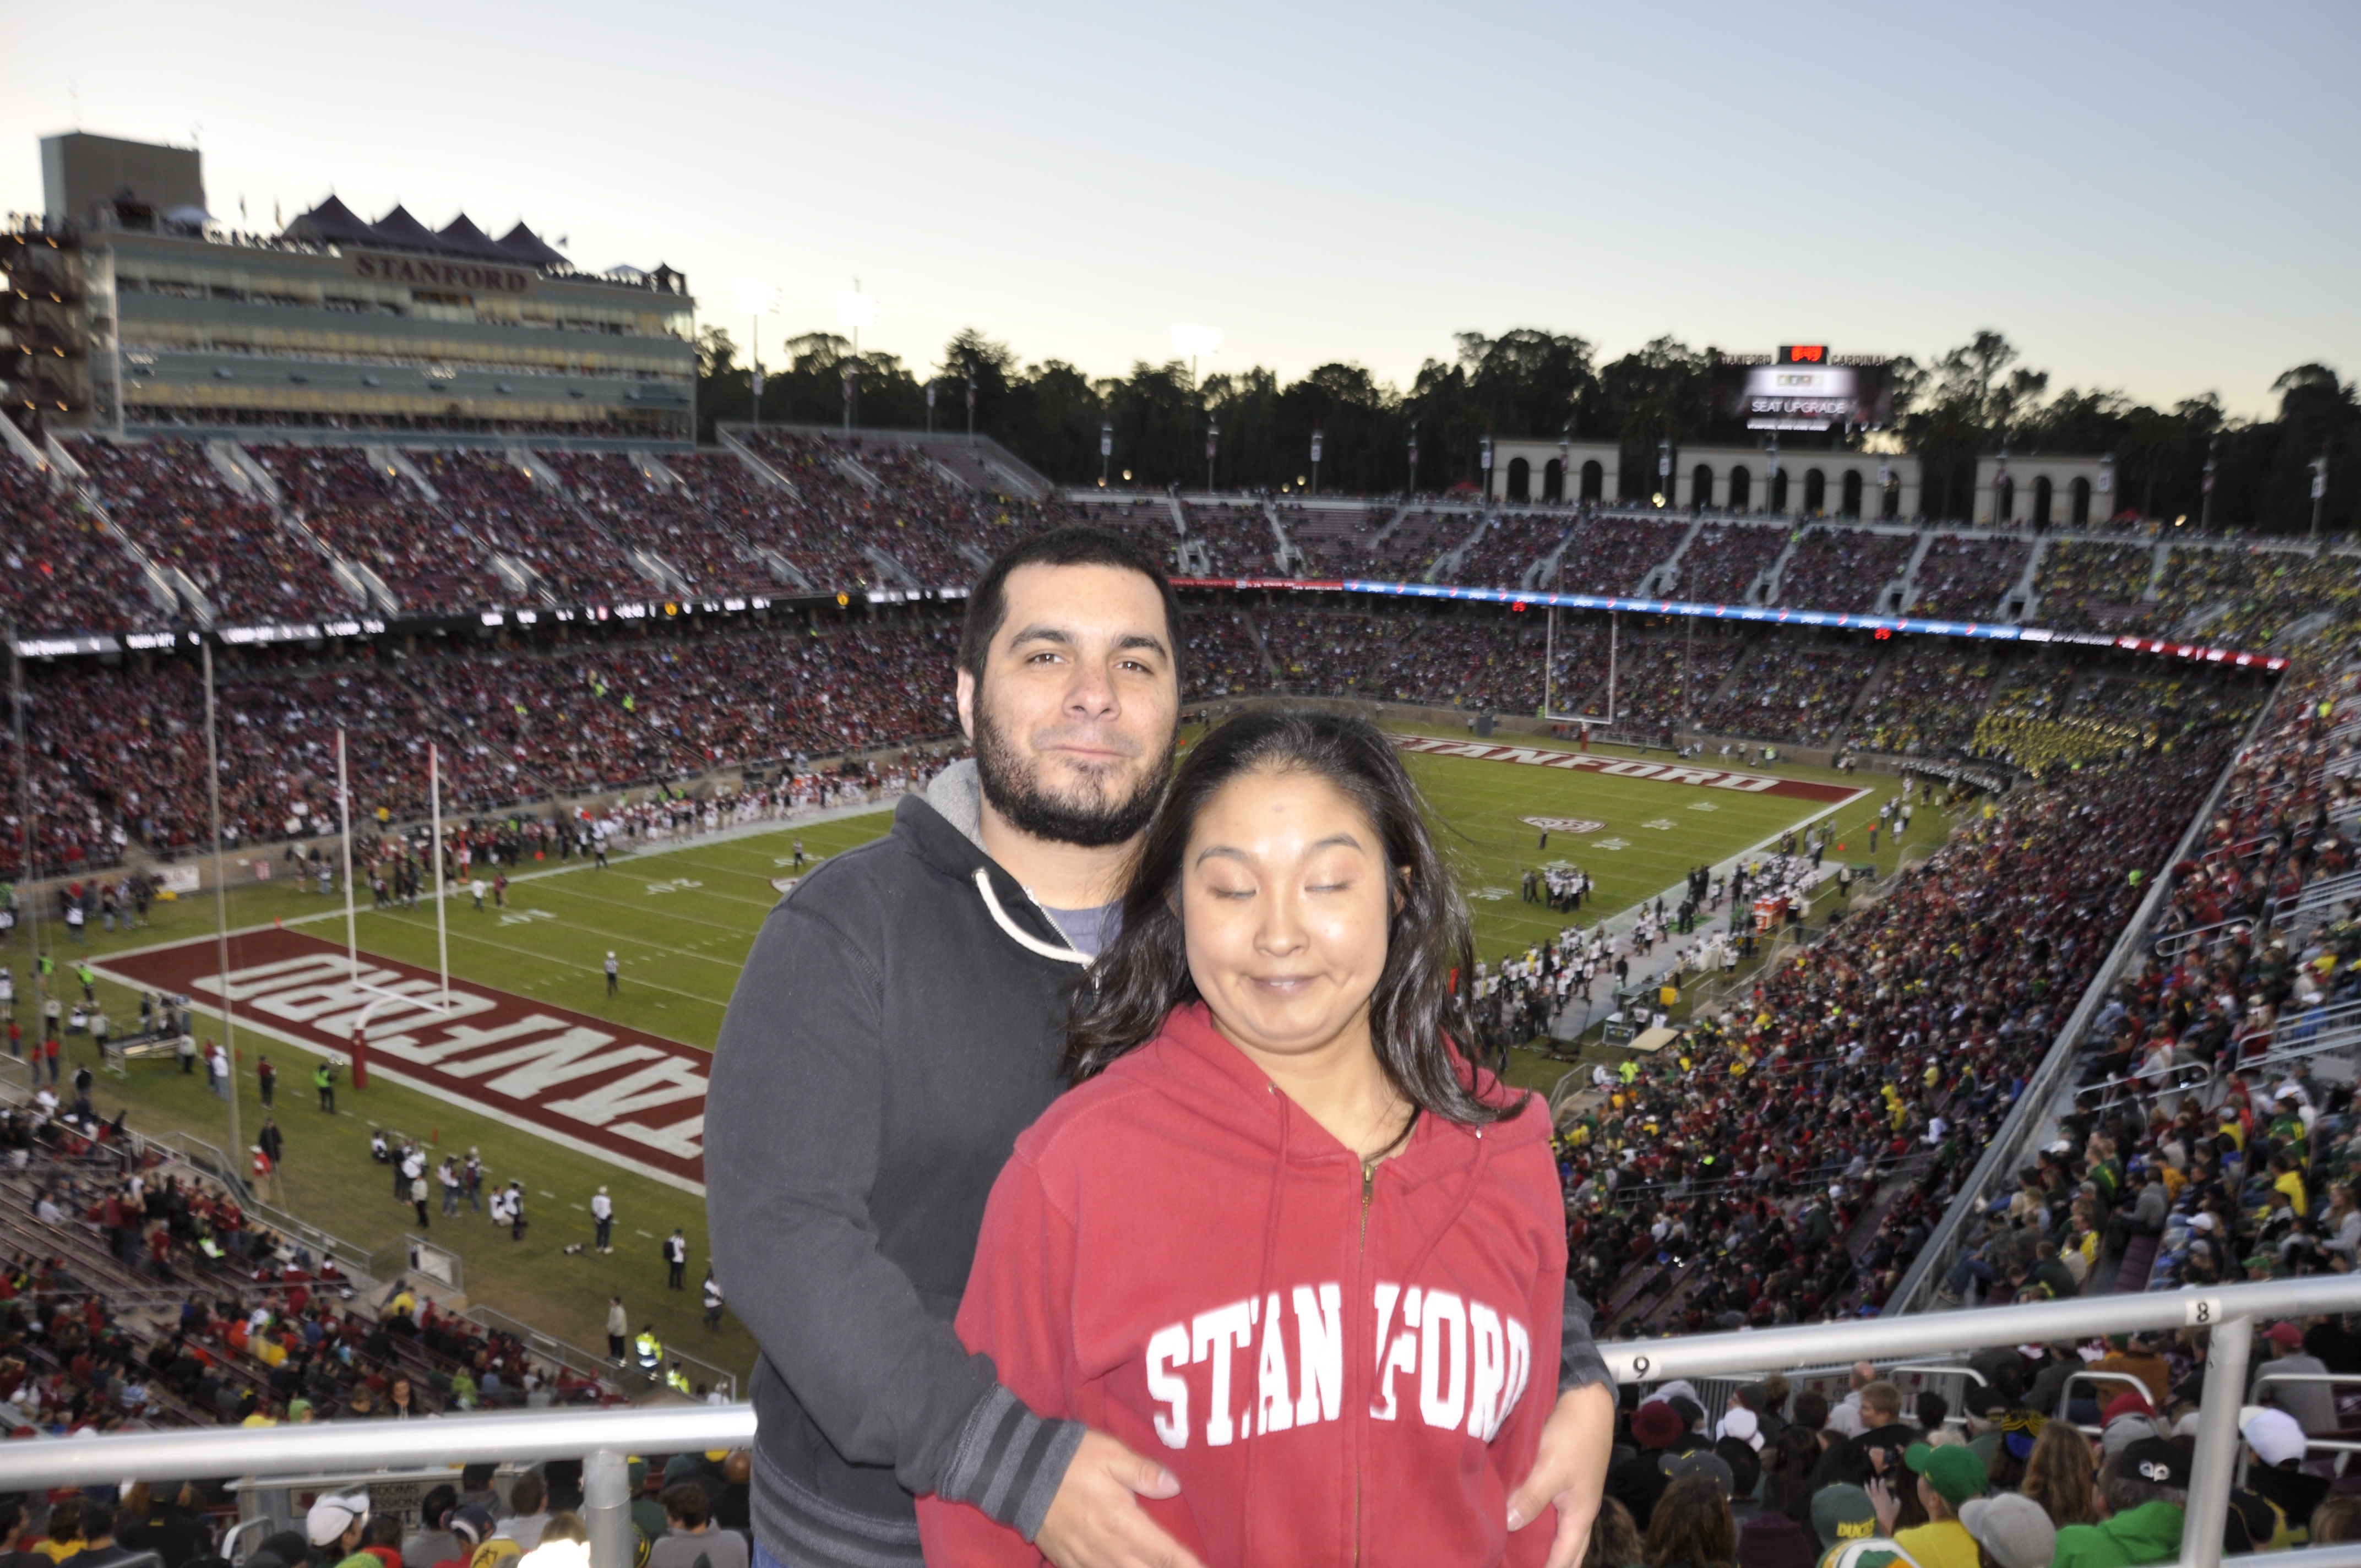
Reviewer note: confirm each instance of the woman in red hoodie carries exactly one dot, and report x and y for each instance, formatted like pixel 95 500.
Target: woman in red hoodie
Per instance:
pixel 1282 1235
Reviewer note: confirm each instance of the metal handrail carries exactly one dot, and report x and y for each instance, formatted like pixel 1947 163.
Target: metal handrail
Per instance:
pixel 530 1435
pixel 361 1446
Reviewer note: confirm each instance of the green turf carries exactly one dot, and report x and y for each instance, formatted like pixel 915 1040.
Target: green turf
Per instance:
pixel 681 920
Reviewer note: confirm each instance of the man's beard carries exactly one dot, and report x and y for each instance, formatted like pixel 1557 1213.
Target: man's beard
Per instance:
pixel 1012 783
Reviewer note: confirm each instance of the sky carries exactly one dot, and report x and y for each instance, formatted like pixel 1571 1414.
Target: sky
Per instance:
pixel 2161 199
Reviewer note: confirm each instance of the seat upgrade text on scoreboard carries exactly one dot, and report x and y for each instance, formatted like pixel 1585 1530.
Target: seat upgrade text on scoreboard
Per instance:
pixel 1804 386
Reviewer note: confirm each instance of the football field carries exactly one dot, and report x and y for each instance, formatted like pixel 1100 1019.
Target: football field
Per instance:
pixel 680 918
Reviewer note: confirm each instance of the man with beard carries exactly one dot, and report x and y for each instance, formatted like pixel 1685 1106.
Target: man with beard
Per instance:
pixel 901 1019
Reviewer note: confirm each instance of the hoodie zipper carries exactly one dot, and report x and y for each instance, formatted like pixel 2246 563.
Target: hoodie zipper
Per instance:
pixel 1361 1257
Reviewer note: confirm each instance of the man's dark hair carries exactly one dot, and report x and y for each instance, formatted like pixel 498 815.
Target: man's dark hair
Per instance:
pixel 382 1530
pixel 434 1508
pixel 1418 1010
pixel 1811 1410
pixel 987 602
pixel 526 1494
pixel 97 1521
pixel 687 1501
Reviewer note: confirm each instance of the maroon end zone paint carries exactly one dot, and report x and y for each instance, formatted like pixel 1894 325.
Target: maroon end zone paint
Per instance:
pixel 1628 768
pixel 600 1086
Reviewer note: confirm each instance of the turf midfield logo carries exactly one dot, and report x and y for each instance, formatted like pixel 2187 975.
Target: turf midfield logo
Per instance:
pixel 596 1085
pixel 1563 824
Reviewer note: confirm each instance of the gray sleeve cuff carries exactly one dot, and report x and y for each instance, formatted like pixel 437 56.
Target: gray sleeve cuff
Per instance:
pixel 1579 1365
pixel 1009 1462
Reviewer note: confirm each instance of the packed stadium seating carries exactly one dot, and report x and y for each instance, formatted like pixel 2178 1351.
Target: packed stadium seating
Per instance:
pixel 644 513
pixel 1237 539
pixel 1723 561
pixel 1845 1100
pixel 1511 546
pixel 1335 541
pixel 2090 586
pixel 2203 1147
pixel 65 571
pixel 1222 656
pixel 1610 554
pixel 1963 576
pixel 185 514
pixel 1409 549
pixel 374 517
pixel 1796 691
pixel 1929 700
pixel 495 498
pixel 1844 568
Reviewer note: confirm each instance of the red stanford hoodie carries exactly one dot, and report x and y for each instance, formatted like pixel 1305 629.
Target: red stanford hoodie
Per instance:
pixel 1179 1255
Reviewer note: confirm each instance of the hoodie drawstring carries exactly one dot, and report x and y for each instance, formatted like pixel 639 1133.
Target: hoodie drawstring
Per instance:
pixel 1263 1292
pixel 1022 937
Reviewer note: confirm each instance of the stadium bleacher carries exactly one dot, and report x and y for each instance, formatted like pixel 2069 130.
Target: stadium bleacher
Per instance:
pixel 1723 561
pixel 1962 576
pixel 66 571
pixel 1844 568
pixel 374 517
pixel 185 515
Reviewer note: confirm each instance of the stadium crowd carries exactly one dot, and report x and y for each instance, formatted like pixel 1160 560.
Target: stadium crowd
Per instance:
pixel 185 515
pixel 1845 1097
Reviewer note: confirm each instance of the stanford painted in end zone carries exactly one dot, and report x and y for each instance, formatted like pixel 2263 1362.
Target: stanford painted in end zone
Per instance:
pixel 605 1087
pixel 1628 768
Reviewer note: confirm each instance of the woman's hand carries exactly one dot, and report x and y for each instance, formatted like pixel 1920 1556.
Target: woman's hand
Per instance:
pixel 1569 1470
pixel 1888 1506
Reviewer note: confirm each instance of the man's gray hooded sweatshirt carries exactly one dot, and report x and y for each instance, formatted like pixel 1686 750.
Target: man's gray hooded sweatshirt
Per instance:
pixel 900 1021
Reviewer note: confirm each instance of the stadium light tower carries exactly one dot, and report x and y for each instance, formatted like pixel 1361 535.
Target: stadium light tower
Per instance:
pixel 855 310
pixel 1565 462
pixel 1413 458
pixel 757 299
pixel 971 407
pixel 2318 490
pixel 2205 502
pixel 1192 341
pixel 1485 458
pixel 1106 449
pixel 1212 445
pixel 1315 460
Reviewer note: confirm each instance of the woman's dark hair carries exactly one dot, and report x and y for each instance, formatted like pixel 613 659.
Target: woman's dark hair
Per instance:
pixel 1788 1461
pixel 1614 1539
pixel 1691 1527
pixel 1418 1008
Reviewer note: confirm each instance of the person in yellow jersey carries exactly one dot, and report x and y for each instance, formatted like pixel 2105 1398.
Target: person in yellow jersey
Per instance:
pixel 1949 1477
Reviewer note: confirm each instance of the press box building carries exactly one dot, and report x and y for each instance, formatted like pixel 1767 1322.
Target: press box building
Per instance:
pixel 340 322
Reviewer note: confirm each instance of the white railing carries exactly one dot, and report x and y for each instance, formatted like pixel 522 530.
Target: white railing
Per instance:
pixel 1927 1342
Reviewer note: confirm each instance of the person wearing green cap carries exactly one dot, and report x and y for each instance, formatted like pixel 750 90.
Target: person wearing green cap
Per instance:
pixel 1948 1476
pixel 1842 1515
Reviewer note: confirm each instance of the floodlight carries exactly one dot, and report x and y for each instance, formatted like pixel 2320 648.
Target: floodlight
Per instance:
pixel 756 297
pixel 855 309
pixel 1193 341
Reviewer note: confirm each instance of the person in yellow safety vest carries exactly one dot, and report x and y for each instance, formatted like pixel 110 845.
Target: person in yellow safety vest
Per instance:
pixel 648 1348
pixel 1629 1070
pixel 677 1380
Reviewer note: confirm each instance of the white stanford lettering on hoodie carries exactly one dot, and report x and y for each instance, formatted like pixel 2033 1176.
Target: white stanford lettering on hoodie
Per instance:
pixel 1464 1363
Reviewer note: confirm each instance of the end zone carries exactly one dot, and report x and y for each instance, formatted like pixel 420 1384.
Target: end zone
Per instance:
pixel 605 1088
pixel 1631 768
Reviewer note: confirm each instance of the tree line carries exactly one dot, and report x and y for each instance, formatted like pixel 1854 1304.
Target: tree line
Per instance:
pixel 1969 401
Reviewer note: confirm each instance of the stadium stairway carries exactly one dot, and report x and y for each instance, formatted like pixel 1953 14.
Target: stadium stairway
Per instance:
pixel 1778 569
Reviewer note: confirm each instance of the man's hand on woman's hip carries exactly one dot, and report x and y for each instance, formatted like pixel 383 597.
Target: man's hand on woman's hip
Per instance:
pixel 1569 1470
pixel 1095 1522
